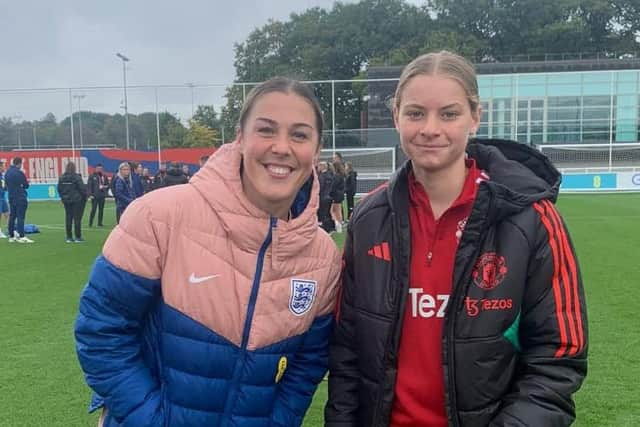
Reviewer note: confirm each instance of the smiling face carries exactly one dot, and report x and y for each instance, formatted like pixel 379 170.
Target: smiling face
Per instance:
pixel 434 119
pixel 279 143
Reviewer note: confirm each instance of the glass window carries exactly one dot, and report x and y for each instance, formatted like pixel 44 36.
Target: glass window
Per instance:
pixel 564 101
pixel 501 118
pixel 590 101
pixel 483 129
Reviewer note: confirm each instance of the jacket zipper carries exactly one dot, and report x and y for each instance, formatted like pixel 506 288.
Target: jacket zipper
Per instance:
pixel 433 240
pixel 233 391
pixel 451 317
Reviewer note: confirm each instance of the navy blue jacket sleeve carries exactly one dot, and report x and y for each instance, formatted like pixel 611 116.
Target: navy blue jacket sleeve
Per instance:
pixel 303 374
pixel 121 192
pixel 113 307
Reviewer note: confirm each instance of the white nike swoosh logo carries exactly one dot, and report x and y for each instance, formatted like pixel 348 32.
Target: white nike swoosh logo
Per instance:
pixel 194 279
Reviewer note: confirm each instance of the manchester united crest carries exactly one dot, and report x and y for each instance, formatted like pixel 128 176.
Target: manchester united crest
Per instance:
pixel 489 271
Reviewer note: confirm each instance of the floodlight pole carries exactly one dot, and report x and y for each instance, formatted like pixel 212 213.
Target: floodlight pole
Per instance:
pixel 78 98
pixel 124 79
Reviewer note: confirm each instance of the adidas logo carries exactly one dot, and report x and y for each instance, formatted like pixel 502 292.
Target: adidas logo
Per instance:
pixel 380 251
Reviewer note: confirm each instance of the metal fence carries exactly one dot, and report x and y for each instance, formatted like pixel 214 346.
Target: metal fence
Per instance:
pixel 356 112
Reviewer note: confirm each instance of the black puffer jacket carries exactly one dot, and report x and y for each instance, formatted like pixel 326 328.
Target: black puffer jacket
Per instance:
pixel 326 184
pixel 514 342
pixel 351 183
pixel 337 188
pixel 175 177
pixel 71 188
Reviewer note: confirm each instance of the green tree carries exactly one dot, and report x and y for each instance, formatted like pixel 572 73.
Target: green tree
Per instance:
pixel 206 115
pixel 201 136
pixel 6 131
pixel 46 130
pixel 539 27
pixel 323 44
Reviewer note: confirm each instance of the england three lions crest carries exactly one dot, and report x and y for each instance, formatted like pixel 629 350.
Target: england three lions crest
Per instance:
pixel 303 293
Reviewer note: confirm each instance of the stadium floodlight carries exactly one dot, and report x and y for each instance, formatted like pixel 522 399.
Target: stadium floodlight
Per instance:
pixel 124 79
pixel 78 98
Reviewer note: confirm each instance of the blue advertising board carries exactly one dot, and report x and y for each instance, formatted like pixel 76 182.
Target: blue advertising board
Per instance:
pixel 589 182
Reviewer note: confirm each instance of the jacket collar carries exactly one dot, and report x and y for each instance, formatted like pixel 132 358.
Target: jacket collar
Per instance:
pixel 518 177
pixel 219 183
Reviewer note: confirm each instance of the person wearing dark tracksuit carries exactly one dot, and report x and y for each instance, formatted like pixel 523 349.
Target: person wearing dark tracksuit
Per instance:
pixel 17 184
pixel 73 195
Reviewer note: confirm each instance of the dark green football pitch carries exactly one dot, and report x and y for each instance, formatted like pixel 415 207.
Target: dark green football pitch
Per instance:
pixel 41 382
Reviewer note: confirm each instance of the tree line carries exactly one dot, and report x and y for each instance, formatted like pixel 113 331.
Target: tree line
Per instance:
pixel 102 129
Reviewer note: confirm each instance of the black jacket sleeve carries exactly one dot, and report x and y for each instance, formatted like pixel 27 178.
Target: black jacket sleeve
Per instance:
pixel 92 185
pixel 342 406
pixel 81 187
pixel 25 183
pixel 351 183
pixel 553 332
pixel 337 187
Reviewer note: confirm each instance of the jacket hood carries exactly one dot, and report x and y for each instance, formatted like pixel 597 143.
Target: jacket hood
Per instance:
pixel 519 172
pixel 518 175
pixel 219 182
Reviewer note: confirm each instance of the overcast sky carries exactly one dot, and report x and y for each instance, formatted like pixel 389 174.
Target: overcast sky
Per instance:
pixel 70 43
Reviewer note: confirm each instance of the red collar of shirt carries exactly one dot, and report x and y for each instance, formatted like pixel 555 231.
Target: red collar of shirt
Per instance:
pixel 418 196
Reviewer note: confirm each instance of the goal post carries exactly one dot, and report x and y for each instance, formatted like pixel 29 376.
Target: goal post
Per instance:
pixel 374 165
pixel 579 158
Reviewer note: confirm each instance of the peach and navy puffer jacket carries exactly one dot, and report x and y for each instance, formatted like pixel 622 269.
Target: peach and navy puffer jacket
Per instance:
pixel 203 310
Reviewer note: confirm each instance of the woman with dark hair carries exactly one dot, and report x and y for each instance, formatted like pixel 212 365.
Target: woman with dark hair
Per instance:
pixel 73 194
pixel 212 302
pixel 351 186
pixel 337 194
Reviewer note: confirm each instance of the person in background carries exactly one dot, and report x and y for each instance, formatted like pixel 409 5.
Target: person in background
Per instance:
pixel 136 178
pixel 351 186
pixel 337 158
pixel 98 185
pixel 4 206
pixel 185 171
pixel 123 189
pixel 17 184
pixel 160 179
pixel 147 180
pixel 325 179
pixel 233 327
pixel 175 175
pixel 337 194
pixel 203 160
pixel 462 302
pixel 73 195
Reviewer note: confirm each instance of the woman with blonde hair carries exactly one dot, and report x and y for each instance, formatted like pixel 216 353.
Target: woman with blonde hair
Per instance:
pixel 462 302
pixel 123 192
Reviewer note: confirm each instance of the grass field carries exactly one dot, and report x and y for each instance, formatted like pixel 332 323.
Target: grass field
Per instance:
pixel 41 382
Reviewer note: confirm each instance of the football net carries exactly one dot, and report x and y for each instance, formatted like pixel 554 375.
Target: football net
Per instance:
pixel 373 165
pixel 580 158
